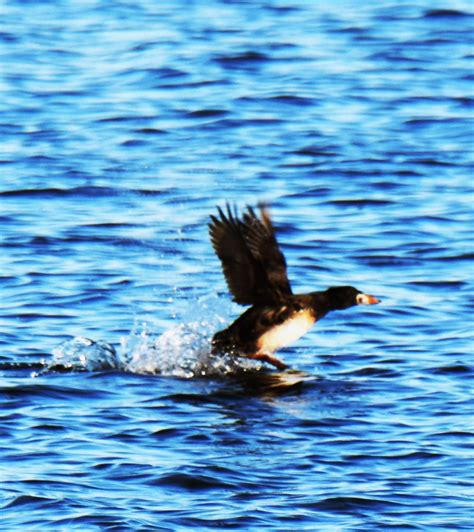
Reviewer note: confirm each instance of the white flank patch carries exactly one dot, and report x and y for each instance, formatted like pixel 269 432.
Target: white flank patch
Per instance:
pixel 286 333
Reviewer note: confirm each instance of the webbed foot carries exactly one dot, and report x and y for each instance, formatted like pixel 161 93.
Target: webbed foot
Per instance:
pixel 265 357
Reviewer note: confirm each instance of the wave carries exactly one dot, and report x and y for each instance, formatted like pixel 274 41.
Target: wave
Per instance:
pixel 78 192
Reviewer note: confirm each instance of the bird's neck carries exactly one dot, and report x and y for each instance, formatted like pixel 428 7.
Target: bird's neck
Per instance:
pixel 320 303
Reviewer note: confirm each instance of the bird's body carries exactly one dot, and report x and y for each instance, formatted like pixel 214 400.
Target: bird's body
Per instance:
pixel 255 270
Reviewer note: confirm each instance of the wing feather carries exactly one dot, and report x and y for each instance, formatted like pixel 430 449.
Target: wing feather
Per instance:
pixel 253 265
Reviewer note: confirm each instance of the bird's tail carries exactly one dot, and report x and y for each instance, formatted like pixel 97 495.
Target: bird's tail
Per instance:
pixel 220 343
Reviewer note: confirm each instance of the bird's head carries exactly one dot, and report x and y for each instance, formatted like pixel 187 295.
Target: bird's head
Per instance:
pixel 341 297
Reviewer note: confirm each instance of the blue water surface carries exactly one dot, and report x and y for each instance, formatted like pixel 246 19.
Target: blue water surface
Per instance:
pixel 123 125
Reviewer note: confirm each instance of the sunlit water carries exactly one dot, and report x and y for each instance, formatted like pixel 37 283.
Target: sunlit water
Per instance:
pixel 122 126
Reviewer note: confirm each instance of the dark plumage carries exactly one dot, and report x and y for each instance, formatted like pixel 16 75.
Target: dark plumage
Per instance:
pixel 255 271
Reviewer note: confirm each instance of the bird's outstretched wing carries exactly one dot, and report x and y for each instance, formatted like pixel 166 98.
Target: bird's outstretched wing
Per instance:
pixel 254 266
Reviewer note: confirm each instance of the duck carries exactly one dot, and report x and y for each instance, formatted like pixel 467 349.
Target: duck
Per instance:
pixel 255 270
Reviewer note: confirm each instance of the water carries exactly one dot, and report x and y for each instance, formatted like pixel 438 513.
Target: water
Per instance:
pixel 123 125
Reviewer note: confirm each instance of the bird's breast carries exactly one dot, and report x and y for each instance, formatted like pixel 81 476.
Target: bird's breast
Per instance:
pixel 287 332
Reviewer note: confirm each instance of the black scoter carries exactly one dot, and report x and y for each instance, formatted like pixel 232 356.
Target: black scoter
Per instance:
pixel 255 271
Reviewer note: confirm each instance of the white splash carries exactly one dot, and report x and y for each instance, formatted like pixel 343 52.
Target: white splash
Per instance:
pixel 183 351
pixel 84 354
